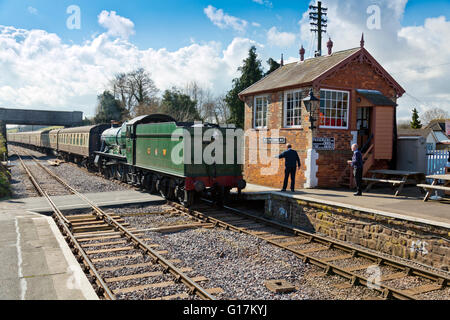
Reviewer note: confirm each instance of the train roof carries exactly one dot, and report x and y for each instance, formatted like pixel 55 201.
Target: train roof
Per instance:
pixel 85 129
pixel 152 118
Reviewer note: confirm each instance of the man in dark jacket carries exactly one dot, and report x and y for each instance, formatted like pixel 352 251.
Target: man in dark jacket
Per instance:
pixel 357 165
pixel 291 160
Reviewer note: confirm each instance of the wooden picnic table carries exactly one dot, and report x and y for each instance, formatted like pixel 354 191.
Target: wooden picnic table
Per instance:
pixel 395 177
pixel 433 186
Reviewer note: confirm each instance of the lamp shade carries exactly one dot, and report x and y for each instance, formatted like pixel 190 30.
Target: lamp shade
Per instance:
pixel 309 100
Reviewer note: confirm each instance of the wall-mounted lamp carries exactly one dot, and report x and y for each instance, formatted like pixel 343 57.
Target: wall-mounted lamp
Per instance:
pixel 309 104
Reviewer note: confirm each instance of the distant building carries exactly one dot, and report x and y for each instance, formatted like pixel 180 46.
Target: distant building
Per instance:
pixel 434 133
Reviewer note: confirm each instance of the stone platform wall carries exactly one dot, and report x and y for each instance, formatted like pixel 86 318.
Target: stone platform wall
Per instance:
pixel 416 241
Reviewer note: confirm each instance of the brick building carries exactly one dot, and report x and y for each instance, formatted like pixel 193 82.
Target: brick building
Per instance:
pixel 357 105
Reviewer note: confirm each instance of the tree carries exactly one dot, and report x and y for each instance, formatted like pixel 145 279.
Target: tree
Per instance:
pixel 415 123
pixel 251 72
pixel 109 109
pixel 136 91
pixel 221 110
pixel 204 99
pixel 434 114
pixel 273 65
pixel 180 106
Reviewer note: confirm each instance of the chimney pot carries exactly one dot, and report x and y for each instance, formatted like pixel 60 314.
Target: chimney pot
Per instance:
pixel 362 41
pixel 330 47
pixel 302 54
pixel 282 60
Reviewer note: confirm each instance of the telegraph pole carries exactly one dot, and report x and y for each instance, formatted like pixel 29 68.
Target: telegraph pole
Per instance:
pixel 319 23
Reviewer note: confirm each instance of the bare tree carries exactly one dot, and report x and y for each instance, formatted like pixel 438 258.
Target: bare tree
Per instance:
pixel 221 110
pixel 434 114
pixel 121 91
pixel 204 100
pixel 136 91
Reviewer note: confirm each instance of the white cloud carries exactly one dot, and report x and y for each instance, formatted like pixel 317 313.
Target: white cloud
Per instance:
pixel 116 25
pixel 266 3
pixel 32 10
pixel 40 71
pixel 280 39
pixel 256 24
pixel 223 20
pixel 409 54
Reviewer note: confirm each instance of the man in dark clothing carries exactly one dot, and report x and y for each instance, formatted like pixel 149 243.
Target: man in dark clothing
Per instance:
pixel 291 160
pixel 357 165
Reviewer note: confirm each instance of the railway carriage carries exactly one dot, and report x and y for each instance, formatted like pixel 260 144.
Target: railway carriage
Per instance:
pixel 21 138
pixel 53 139
pixel 153 152
pixel 79 144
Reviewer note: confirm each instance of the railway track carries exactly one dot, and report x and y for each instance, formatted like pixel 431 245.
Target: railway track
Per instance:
pixel 355 265
pixel 104 246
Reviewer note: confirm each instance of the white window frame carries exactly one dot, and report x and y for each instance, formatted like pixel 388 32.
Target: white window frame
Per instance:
pixel 254 112
pixel 285 109
pixel 348 108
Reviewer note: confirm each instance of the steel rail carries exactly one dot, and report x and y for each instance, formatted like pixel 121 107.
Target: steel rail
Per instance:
pixel 328 267
pixel 65 225
pixel 156 257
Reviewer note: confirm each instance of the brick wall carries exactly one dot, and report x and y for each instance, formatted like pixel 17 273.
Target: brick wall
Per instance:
pixel 410 240
pixel 299 138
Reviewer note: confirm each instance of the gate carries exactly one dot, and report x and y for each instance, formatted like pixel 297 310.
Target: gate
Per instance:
pixel 437 159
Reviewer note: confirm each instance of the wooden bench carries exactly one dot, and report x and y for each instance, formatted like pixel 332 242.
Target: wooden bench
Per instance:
pixel 397 178
pixel 394 182
pixel 429 187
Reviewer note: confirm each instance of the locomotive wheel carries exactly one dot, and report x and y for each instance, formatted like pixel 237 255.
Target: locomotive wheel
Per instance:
pixel 166 187
pixel 188 198
pixel 152 186
pixel 219 193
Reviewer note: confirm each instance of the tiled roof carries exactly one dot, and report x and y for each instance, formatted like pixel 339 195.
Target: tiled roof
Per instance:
pixel 299 73
pixel 413 132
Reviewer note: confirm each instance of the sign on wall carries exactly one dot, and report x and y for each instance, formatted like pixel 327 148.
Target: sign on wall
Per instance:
pixel 280 140
pixel 323 144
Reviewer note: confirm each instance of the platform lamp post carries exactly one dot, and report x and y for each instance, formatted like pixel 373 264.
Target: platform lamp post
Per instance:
pixel 309 104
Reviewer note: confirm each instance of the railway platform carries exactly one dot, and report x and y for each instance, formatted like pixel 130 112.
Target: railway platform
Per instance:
pixel 382 202
pixel 35 261
pixel 101 199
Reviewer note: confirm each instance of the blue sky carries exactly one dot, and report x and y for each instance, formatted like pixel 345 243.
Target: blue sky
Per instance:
pixel 171 24
pixel 179 41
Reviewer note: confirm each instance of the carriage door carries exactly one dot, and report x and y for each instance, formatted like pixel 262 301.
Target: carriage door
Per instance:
pixel 363 126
